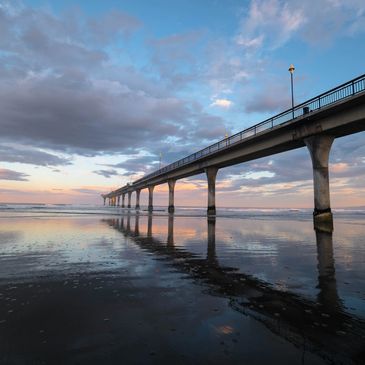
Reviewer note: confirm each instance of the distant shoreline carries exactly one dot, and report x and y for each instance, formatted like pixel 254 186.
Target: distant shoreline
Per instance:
pixel 361 207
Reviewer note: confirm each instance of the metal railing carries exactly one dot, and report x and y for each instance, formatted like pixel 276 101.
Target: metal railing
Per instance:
pixel 334 95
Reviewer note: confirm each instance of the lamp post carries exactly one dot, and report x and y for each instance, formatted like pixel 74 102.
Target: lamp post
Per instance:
pixel 291 70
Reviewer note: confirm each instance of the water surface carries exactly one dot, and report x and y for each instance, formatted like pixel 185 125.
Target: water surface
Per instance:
pixel 81 285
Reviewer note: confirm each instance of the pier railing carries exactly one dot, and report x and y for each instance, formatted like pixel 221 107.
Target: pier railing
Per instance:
pixel 332 96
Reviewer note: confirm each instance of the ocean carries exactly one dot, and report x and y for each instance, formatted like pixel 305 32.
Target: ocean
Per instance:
pixel 92 284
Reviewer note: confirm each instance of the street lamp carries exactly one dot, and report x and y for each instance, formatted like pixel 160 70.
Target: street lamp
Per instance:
pixel 291 70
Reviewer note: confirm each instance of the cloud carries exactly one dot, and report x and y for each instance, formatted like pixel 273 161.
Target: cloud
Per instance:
pixel 273 23
pixel 275 97
pixel 175 57
pixel 49 114
pixel 106 173
pixel 87 191
pixel 6 174
pixel 135 165
pixel 31 156
pixel 61 91
pixel 113 24
pixel 222 103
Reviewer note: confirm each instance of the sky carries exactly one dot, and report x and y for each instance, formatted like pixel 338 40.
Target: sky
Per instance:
pixel 92 93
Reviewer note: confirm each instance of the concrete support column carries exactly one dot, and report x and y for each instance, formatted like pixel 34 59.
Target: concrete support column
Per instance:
pixel 211 176
pixel 319 147
pixel 123 200
pixel 118 202
pixel 108 201
pixel 150 198
pixel 104 200
pixel 129 198
pixel 138 193
pixel 171 183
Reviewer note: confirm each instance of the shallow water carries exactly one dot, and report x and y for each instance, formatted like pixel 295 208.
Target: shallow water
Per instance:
pixel 90 285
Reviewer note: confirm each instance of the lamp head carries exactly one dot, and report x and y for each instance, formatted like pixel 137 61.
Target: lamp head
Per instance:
pixel 291 68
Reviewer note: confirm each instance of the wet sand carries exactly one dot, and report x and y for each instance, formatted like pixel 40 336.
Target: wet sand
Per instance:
pixel 144 289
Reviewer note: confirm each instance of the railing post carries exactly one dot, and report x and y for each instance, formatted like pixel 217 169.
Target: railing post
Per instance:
pixel 353 88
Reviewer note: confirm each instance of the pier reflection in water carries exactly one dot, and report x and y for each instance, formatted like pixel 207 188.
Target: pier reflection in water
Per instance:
pixel 320 324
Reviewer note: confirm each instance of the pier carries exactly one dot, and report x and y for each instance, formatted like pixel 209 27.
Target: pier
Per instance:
pixel 314 124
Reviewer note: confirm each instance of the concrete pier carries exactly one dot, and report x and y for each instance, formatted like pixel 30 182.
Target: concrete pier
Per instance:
pixel 138 194
pixel 129 198
pixel 171 184
pixel 211 177
pixel 123 200
pixel 118 200
pixel 319 147
pixel 150 197
pixel 337 113
pixel 104 200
